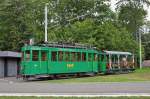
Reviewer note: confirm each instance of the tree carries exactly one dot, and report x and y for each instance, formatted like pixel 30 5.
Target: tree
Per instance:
pixel 131 14
pixel 64 12
pixel 132 18
pixel 138 3
pixel 146 41
pixel 89 22
pixel 13 25
pixel 111 37
pixel 105 36
pixel 19 20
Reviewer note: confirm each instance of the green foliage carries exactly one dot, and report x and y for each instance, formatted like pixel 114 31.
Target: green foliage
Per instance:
pixel 138 3
pixel 145 39
pixel 132 14
pixel 106 36
pixel 89 22
pixel 12 24
pixel 138 76
pixel 114 38
pixel 132 17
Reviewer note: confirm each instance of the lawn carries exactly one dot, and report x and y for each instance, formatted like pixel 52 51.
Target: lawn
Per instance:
pixel 136 76
pixel 74 97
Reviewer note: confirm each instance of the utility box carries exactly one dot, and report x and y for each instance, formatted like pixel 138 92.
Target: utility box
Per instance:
pixel 9 63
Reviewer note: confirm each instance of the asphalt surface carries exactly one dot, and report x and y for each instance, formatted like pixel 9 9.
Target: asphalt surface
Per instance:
pixel 11 85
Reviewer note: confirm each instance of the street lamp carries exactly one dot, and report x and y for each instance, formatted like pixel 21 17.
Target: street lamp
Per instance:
pixel 46 22
pixel 140 46
pixel 140 50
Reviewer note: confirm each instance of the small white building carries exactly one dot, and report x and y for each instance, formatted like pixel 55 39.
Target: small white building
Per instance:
pixel 9 63
pixel 146 63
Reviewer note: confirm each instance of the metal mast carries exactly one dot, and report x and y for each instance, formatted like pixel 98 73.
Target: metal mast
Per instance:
pixel 140 49
pixel 46 22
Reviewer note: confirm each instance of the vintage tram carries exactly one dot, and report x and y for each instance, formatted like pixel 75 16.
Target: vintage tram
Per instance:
pixel 56 59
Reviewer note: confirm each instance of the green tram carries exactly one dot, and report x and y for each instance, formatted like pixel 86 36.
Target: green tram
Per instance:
pixel 55 59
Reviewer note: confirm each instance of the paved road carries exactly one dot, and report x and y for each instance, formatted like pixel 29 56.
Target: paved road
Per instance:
pixel 13 86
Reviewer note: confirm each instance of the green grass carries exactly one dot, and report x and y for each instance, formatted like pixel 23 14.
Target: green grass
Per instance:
pixel 136 76
pixel 13 97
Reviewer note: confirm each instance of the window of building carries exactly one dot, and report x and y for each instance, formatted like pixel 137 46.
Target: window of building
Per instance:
pixel 90 57
pixel 44 56
pixel 35 55
pixel 27 55
pixel 83 56
pixel 54 56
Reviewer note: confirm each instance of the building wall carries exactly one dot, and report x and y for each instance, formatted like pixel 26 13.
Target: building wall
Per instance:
pixel 12 67
pixel 146 63
pixel 1 67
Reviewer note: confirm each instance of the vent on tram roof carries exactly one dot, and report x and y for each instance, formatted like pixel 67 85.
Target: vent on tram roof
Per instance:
pixel 66 45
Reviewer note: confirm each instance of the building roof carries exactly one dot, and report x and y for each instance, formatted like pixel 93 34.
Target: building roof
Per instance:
pixel 10 54
pixel 118 53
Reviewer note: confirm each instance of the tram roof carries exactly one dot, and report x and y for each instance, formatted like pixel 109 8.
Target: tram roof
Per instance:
pixel 118 53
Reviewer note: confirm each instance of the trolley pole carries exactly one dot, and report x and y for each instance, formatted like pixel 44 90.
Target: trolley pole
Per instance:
pixel 140 50
pixel 46 22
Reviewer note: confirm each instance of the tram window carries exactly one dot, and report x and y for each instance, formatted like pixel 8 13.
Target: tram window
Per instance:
pixel 35 55
pixel 44 56
pixel 129 58
pixel 83 56
pixel 22 56
pixel 102 58
pixel 60 56
pixel 99 57
pixel 89 57
pixel 73 56
pixel 95 57
pixel 78 56
pixel 54 56
pixel 67 56
pixel 27 55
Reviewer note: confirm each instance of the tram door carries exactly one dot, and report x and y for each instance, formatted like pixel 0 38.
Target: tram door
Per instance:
pixel 102 63
pixel 90 62
pixel 44 62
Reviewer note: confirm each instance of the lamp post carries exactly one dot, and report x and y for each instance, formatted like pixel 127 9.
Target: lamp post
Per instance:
pixel 140 50
pixel 46 22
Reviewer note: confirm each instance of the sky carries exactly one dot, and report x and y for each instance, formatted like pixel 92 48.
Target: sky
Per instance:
pixel 113 2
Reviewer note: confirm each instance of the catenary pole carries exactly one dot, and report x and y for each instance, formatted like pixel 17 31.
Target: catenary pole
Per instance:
pixel 140 50
pixel 46 22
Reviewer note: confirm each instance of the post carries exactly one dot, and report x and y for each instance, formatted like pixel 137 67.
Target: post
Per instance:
pixel 46 22
pixel 140 50
pixel 133 60
pixel 118 56
pixel 110 61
